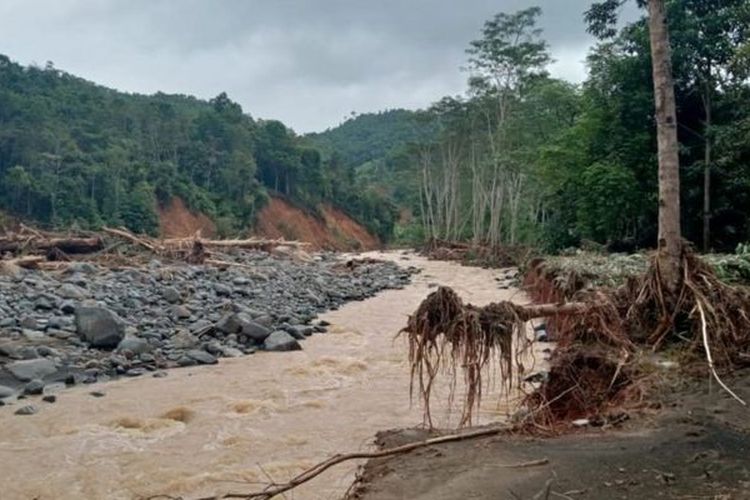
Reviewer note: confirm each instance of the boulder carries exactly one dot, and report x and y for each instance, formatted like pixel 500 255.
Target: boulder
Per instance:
pixel 179 312
pixel 281 341
pixel 99 326
pixel 202 357
pixel 230 323
pixel 184 340
pixel 30 323
pixel 171 295
pixel 6 392
pixel 68 307
pixel 134 345
pixel 31 369
pixel 26 410
pixel 255 331
pixel 299 332
pixel 201 327
pixel 34 387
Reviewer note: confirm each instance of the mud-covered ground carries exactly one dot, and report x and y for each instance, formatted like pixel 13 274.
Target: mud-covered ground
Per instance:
pixel 696 446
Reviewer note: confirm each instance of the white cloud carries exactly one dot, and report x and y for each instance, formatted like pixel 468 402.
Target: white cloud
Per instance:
pixel 308 63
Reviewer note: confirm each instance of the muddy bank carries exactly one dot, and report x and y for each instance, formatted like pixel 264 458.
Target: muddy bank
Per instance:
pixel 225 427
pixel 696 446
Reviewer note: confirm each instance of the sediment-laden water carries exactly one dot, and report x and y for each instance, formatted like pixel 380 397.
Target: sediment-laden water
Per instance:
pixel 232 426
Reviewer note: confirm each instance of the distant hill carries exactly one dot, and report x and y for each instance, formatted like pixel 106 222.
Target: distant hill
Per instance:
pixel 379 147
pixel 371 136
pixel 76 153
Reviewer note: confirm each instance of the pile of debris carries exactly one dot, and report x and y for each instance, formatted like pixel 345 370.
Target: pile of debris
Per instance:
pixel 476 254
pixel 605 338
pixel 137 305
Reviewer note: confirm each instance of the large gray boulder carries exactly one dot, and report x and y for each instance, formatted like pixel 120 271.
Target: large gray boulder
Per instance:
pixel 99 326
pixel 255 331
pixel 230 323
pixel 183 339
pixel 202 357
pixel 31 369
pixel 134 344
pixel 242 323
pixel 6 392
pixel 171 295
pixel 281 341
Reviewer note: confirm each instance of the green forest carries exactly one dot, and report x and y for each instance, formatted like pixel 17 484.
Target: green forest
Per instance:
pixel 526 158
pixel 520 158
pixel 73 153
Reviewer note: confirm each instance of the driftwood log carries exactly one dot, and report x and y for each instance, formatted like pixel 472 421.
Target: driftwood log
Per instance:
pixel 16 244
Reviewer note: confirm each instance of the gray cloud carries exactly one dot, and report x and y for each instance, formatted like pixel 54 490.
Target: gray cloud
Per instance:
pixel 305 62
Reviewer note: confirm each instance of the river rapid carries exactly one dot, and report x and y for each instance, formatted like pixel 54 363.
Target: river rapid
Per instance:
pixel 233 426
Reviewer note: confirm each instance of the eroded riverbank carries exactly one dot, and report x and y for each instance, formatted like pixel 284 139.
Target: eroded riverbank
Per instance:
pixel 210 429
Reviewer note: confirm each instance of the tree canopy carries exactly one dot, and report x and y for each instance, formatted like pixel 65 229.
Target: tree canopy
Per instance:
pixel 72 152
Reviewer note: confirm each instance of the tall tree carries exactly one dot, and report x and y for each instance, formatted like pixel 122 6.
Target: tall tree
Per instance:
pixel 670 234
pixel 601 18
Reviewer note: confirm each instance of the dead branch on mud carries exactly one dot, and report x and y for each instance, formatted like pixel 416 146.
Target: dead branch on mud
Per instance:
pixel 273 490
pixel 710 360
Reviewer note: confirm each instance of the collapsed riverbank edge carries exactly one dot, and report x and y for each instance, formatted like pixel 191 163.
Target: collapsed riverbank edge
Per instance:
pixel 672 437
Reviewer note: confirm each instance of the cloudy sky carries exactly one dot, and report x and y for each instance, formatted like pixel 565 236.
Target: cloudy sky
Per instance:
pixel 308 63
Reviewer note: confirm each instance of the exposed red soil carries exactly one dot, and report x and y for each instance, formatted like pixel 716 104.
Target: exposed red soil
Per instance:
pixel 345 227
pixel 334 231
pixel 177 221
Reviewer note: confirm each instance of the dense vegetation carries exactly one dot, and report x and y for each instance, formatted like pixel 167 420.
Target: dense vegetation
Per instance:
pixel 520 158
pixel 526 158
pixel 72 152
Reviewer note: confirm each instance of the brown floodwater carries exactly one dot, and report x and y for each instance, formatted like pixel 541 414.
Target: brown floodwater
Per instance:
pixel 232 426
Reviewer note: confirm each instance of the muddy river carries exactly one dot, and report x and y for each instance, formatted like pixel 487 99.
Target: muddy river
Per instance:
pixel 232 426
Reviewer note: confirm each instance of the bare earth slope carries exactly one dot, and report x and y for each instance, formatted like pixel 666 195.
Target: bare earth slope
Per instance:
pixel 334 231
pixel 177 221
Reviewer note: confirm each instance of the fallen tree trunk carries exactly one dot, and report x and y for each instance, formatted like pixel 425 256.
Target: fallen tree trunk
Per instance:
pixel 249 244
pixel 130 237
pixel 534 311
pixel 15 244
pixel 27 262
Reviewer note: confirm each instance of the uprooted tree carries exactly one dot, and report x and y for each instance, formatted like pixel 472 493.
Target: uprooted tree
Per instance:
pixel 602 329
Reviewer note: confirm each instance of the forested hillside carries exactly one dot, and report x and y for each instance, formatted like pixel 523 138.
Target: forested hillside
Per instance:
pixel 526 158
pixel 521 157
pixel 72 152
pixel 371 136
pixel 378 147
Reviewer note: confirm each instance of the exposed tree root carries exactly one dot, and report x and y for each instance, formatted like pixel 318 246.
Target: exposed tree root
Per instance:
pixel 599 334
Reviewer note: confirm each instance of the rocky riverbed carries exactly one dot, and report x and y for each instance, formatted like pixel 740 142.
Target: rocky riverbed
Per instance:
pixel 88 323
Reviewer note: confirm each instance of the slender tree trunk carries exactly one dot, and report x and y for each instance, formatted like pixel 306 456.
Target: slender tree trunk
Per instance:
pixel 707 171
pixel 670 237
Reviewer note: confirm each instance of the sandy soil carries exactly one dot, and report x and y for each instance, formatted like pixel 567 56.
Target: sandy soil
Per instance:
pixel 696 447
